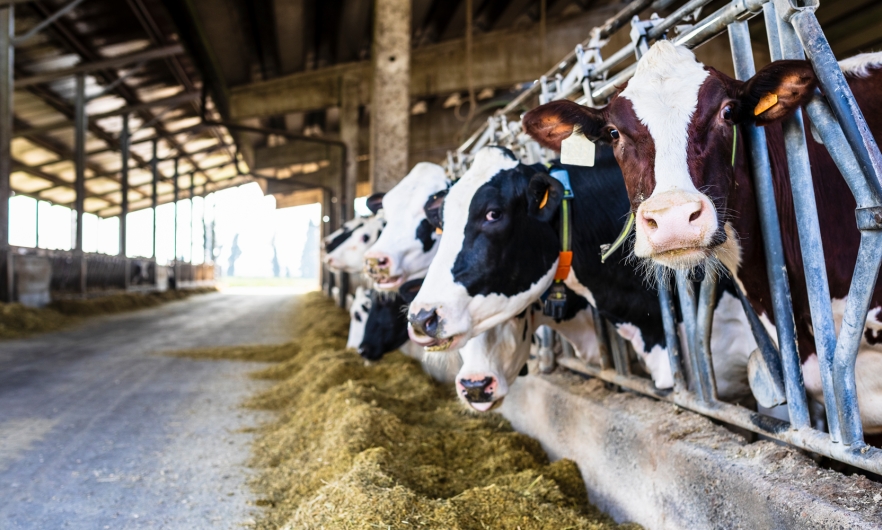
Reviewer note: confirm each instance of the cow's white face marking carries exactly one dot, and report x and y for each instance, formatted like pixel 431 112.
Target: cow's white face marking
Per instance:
pixel 664 96
pixel 403 210
pixel 358 313
pixel 499 352
pixel 463 315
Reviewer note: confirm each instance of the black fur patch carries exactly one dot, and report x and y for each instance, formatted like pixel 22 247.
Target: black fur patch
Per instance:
pixel 385 329
pixel 424 233
pixel 342 237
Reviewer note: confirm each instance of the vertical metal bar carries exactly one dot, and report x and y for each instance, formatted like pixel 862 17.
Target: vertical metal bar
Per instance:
pixel 776 269
pixel 604 348
pixel 177 190
pixel 154 200
pixel 809 230
pixel 192 216
pixel 687 308
pixel 7 78
pixel 671 338
pixel 850 334
pixel 37 224
pixel 124 185
pixel 80 166
pixel 842 102
pixel 704 325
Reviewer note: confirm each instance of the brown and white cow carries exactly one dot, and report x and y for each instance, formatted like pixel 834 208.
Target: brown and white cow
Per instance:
pixel 674 128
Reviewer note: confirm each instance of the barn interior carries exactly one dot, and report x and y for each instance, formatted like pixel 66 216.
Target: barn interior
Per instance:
pixel 168 169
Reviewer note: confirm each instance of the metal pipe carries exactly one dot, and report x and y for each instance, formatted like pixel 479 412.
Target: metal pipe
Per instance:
pixel 809 231
pixel 672 340
pixel 688 310
pixel 80 156
pixel 192 217
pixel 603 345
pixel 704 320
pixel 18 41
pixel 868 458
pixel 767 210
pixel 124 185
pixel 7 60
pixel 839 95
pixel 154 199
pixel 176 188
pixel 850 334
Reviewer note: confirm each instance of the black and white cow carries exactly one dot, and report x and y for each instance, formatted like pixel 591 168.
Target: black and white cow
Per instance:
pixel 408 243
pixel 499 254
pixel 344 249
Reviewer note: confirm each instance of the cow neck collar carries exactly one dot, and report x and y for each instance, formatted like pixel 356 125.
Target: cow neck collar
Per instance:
pixel 556 299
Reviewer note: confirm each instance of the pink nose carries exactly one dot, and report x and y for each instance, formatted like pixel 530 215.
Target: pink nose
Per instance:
pixel 678 224
pixel 477 388
pixel 376 260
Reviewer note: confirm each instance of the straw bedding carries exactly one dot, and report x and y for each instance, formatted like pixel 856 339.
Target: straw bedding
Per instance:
pixel 384 446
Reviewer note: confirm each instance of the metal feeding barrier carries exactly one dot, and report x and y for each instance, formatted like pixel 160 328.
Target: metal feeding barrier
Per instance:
pixel 793 32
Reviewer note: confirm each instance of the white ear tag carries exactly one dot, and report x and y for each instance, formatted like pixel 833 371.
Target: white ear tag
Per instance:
pixel 577 150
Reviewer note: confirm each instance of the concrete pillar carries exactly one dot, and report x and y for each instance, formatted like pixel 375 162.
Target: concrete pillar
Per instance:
pixel 390 99
pixel 349 136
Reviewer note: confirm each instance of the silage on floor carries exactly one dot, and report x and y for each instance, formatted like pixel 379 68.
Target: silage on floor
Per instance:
pixel 384 446
pixel 17 321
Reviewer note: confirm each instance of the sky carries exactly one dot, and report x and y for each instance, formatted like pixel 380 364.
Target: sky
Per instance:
pixel 242 210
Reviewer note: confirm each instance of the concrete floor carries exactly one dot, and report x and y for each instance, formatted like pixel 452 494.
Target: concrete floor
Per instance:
pixel 99 431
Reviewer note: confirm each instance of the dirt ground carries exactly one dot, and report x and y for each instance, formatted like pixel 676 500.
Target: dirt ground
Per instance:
pixel 384 446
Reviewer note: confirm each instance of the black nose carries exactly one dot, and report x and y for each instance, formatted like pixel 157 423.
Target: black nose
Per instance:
pixel 475 390
pixel 426 322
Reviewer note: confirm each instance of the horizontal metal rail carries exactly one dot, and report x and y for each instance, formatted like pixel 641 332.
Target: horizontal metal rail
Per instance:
pixel 865 457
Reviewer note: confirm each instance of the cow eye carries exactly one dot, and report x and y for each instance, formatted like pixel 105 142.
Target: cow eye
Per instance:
pixel 726 113
pixel 614 134
pixel 365 238
pixel 493 215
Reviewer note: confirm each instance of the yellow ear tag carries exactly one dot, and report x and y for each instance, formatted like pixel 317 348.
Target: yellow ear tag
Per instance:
pixel 438 231
pixel 577 150
pixel 768 101
pixel 544 200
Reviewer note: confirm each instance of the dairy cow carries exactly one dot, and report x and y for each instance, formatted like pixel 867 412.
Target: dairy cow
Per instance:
pixel 344 248
pixel 408 243
pixel 675 131
pixel 500 249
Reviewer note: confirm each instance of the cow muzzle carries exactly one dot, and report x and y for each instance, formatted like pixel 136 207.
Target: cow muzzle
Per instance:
pixel 479 391
pixel 426 329
pixel 675 229
pixel 380 267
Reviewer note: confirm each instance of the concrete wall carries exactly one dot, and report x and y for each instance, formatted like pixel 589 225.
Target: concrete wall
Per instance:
pixel 651 463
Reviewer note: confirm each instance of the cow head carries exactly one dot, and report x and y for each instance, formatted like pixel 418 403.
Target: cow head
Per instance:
pixel 408 243
pixel 492 361
pixel 346 253
pixel 498 252
pixel 673 131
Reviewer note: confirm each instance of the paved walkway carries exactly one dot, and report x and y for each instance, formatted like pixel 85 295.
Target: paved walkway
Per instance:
pixel 98 431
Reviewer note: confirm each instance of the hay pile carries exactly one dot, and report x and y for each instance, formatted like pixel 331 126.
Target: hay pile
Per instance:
pixel 383 446
pixel 18 321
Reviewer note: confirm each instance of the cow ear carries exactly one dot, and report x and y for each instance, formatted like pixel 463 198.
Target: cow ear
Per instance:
pixel 776 91
pixel 552 123
pixel 544 195
pixel 375 202
pixel 409 290
pixel 432 210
